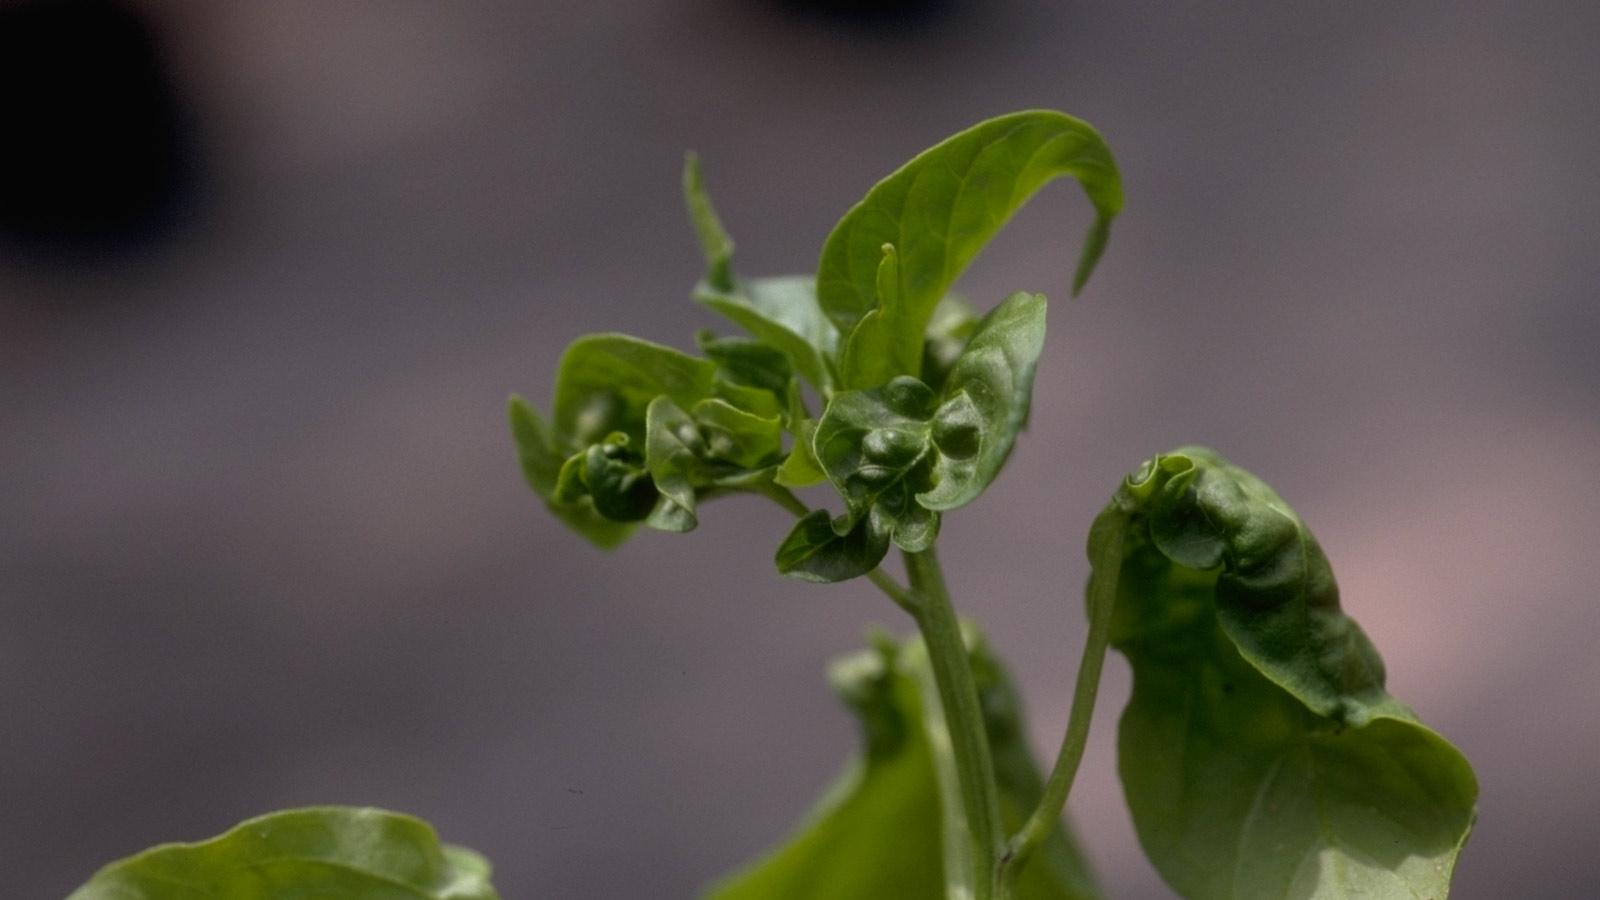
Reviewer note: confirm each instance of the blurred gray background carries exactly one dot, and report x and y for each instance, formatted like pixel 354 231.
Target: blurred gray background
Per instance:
pixel 263 541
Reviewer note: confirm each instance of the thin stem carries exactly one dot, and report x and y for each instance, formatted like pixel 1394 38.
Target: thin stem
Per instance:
pixel 882 580
pixel 1102 601
pixel 958 696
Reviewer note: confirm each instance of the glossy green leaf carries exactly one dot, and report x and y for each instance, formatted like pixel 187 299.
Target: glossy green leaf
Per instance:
pixel 821 549
pixel 542 464
pixel 901 454
pixel 781 312
pixel 942 207
pixel 606 381
pixel 878 834
pixel 985 401
pixel 323 852
pixel 1260 753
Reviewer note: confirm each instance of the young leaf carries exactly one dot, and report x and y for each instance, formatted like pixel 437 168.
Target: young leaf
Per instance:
pixel 542 466
pixel 605 382
pixel 747 362
pixel 943 206
pixel 903 454
pixel 954 320
pixel 1260 754
pixel 985 401
pixel 878 833
pixel 714 240
pixel 877 449
pixel 352 854
pixel 674 448
pixel 884 343
pixel 816 550
pixel 781 312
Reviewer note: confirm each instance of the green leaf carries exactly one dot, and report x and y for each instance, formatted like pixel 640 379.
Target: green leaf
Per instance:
pixel 902 455
pixel 747 362
pixel 954 320
pixel 885 342
pixel 878 833
pixel 606 381
pixel 1260 753
pixel 820 549
pixel 741 438
pixel 714 240
pixel 943 206
pixel 674 448
pixel 351 854
pixel 781 312
pixel 985 401
pixel 542 466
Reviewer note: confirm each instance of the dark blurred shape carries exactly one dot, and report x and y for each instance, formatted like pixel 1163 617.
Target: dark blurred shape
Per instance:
pixel 874 15
pixel 96 160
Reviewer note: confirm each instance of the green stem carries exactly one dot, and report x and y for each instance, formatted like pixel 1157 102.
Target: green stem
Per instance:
pixel 958 696
pixel 1102 601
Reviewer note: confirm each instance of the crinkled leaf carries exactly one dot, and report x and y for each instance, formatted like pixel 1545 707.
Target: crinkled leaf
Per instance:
pixel 818 549
pixel 542 466
pixel 943 206
pixel 985 401
pixel 615 480
pixel 606 381
pixel 902 454
pixel 351 854
pixel 879 833
pixel 1260 753
pixel 781 312
pixel 877 448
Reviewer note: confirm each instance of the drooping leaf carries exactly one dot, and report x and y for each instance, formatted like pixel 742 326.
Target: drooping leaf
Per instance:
pixel 781 312
pixel 821 549
pixel 878 833
pixel 321 852
pixel 942 207
pixel 1260 753
pixel 542 465
pixel 605 382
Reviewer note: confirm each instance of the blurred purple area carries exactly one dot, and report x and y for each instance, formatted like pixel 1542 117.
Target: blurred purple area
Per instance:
pixel 263 541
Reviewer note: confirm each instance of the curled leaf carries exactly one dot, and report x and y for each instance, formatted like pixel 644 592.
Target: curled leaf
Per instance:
pixel 942 207
pixel 819 549
pixel 1260 753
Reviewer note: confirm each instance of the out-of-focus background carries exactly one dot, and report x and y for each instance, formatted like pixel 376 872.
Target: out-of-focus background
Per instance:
pixel 268 272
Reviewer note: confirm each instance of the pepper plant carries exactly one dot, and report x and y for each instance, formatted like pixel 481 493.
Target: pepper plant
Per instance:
pixel 1260 754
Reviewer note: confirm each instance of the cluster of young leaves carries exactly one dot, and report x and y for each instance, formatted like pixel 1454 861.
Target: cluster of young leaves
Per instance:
pixel 350 853
pixel 1260 754
pixel 892 824
pixel 921 398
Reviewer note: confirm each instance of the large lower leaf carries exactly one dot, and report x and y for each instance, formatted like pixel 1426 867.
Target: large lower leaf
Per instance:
pixel 322 852
pixel 880 832
pixel 1260 753
pixel 942 207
